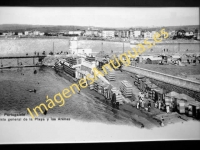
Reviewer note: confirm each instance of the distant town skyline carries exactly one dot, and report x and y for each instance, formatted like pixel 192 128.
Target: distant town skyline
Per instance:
pixel 113 17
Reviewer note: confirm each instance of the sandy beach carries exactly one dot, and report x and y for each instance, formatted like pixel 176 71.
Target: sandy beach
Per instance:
pixel 15 96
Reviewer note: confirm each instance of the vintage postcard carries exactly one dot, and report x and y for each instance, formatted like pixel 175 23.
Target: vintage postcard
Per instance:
pixel 99 74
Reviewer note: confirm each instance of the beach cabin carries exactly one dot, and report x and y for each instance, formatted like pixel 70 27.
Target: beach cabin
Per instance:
pixel 171 100
pixel 143 58
pixel 107 91
pixel 177 101
pixel 116 96
pixel 142 84
pixel 158 94
pixel 193 109
pixel 58 66
pixel 181 105
pixel 149 89
pixel 154 60
pixel 191 106
pixel 164 58
pixel 145 87
pixel 175 59
pixel 138 79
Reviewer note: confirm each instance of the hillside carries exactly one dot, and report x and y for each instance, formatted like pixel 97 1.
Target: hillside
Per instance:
pixel 58 28
pixel 42 28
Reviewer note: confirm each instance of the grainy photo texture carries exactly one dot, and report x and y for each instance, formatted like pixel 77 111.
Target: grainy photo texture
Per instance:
pixel 134 67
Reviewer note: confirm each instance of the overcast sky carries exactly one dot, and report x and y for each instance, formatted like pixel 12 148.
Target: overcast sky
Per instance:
pixel 100 16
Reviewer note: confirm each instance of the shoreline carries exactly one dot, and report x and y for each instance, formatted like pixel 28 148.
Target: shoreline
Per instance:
pixel 168 41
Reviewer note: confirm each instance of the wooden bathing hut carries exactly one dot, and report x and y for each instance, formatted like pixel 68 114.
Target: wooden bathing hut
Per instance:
pixel 118 95
pixel 150 89
pixel 191 106
pixel 137 80
pixel 158 94
pixel 171 100
pixel 193 109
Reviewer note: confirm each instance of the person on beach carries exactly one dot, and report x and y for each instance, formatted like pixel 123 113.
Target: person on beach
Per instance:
pixel 167 108
pixel 162 121
pixel 159 104
pixel 137 105
pixel 149 106
pixel 142 103
pixel 35 71
pixel 156 104
pixel 45 112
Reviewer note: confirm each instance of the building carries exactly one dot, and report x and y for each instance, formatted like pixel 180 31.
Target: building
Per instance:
pixel 26 32
pixel 99 34
pixel 127 34
pixel 20 33
pixel 123 35
pixel 36 33
pixel 4 33
pixel 144 57
pixel 172 34
pixel 154 60
pixel 189 33
pixel 77 32
pixel 131 33
pixel 147 35
pixel 108 33
pixel 116 33
pixel 198 36
pixel 41 33
pixel 8 33
pixel 137 33
pixel 88 33
pixel 119 33
pixel 95 33
pixel 152 33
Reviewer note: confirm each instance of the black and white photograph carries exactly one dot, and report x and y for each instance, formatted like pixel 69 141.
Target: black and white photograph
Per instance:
pixel 99 74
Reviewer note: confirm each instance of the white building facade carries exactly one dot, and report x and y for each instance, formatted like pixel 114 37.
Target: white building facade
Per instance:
pixel 108 33
pixel 137 34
